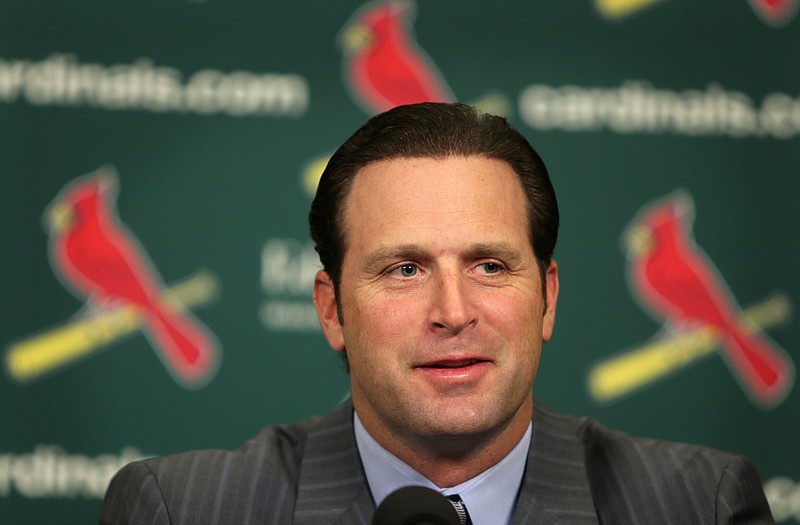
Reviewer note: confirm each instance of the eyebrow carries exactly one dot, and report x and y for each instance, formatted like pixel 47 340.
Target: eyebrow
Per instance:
pixel 385 254
pixel 507 252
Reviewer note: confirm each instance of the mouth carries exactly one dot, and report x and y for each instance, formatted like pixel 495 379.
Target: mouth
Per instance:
pixel 455 363
pixel 461 372
pixel 455 367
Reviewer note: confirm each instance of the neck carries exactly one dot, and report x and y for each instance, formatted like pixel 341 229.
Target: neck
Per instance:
pixel 450 460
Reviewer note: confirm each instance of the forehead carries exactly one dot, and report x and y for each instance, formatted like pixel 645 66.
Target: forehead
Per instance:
pixel 398 197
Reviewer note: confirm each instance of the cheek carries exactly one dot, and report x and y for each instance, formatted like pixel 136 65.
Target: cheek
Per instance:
pixel 513 311
pixel 381 321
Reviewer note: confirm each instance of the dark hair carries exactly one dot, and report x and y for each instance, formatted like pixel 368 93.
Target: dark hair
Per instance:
pixel 431 130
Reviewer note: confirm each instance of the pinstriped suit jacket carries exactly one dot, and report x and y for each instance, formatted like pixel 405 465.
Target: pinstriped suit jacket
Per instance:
pixel 310 473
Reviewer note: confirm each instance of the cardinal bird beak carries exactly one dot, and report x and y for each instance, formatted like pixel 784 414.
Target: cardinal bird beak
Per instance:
pixel 356 39
pixel 639 240
pixel 59 217
pixel 312 172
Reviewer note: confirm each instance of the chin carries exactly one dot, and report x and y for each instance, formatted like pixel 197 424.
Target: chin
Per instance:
pixel 463 425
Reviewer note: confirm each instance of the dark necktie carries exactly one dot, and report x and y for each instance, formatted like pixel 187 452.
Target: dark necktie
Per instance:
pixel 461 509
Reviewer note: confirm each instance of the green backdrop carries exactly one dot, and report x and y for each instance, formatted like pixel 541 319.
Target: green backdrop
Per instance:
pixel 215 117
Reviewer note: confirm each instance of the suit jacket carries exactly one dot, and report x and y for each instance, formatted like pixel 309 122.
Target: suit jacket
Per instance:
pixel 310 474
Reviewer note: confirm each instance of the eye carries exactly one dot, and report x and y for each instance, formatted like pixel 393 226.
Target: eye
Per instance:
pixel 491 267
pixel 407 270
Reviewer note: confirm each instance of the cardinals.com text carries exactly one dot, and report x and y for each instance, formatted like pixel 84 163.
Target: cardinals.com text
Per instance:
pixel 638 107
pixel 61 80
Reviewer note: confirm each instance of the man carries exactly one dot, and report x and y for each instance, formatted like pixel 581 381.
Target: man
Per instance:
pixel 436 227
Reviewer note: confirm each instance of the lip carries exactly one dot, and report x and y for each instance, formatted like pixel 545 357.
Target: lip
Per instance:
pixel 455 369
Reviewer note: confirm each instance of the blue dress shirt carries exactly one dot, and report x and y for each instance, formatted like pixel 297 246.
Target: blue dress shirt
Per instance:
pixel 490 496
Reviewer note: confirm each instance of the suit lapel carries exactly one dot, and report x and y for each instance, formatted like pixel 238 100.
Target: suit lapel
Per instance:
pixel 332 487
pixel 555 487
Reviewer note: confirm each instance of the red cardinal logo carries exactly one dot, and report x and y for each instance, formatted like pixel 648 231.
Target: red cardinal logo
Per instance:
pixel 678 283
pixel 384 66
pixel 775 12
pixel 100 260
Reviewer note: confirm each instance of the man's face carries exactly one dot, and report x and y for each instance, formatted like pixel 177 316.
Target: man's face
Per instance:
pixel 441 299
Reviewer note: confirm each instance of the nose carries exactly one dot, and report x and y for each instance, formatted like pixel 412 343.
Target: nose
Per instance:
pixel 451 310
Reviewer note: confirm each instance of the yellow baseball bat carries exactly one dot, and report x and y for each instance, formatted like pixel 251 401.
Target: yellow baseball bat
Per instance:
pixel 40 354
pixel 620 8
pixel 621 374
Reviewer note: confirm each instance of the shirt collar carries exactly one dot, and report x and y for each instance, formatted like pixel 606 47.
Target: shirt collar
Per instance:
pixel 490 496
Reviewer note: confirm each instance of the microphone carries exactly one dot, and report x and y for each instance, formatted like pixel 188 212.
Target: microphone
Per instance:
pixel 415 506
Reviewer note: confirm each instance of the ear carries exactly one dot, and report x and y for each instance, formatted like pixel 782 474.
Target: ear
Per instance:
pixel 551 279
pixel 325 303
